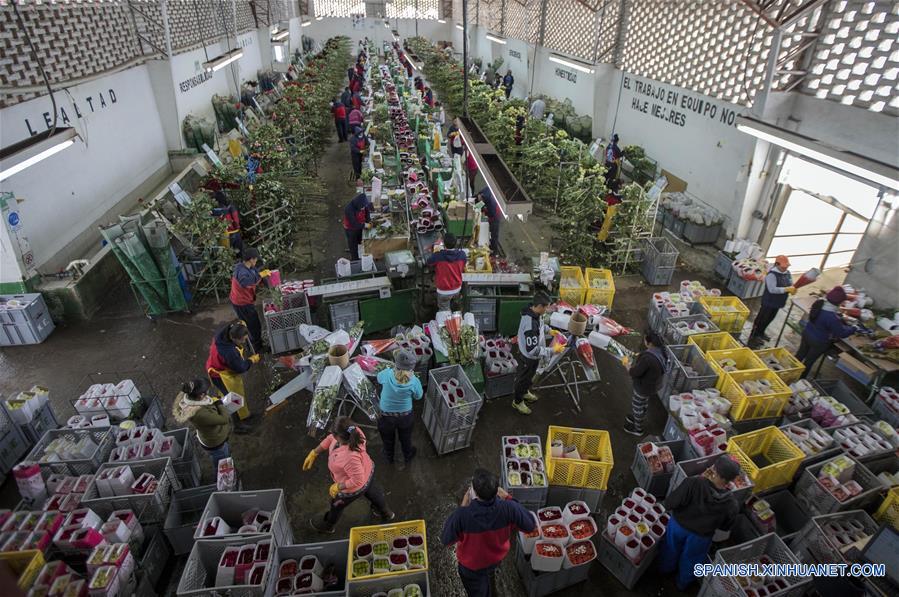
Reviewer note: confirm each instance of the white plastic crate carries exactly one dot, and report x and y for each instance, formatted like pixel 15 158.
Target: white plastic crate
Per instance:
pixel 199 574
pixel 230 506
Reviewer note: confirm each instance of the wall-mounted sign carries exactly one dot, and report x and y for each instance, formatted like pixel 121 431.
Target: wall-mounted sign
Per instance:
pixel 195 81
pixel 515 54
pixel 674 105
pixel 85 105
pixel 567 75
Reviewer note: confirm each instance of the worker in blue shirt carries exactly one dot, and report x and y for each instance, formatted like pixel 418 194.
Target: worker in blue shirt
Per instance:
pixel 493 217
pixel 825 324
pixel 399 387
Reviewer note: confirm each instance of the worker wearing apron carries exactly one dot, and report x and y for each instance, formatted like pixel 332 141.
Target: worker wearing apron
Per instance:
pixel 227 363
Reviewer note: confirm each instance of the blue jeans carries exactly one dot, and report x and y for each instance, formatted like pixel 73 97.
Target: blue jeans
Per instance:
pixel 216 454
pixel 682 550
pixel 477 583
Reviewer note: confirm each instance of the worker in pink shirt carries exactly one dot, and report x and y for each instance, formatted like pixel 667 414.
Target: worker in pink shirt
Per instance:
pixel 352 472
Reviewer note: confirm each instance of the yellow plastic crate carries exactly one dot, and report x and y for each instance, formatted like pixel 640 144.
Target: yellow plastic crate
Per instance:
pixel 383 532
pixel 760 406
pixel 573 295
pixel 600 296
pixel 889 510
pixel 727 312
pixel 782 456
pixel 594 467
pixel 745 360
pixel 714 341
pixel 793 367
pixel 26 565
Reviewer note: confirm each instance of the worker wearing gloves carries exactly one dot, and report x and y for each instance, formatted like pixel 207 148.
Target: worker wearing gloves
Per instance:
pixel 448 264
pixel 493 217
pixel 531 345
pixel 698 507
pixel 481 529
pixel 226 363
pixel 209 417
pixel 825 324
pixel 399 387
pixel 352 471
pixel 358 145
pixel 646 374
pixel 243 293
pixel 356 218
pixel 778 285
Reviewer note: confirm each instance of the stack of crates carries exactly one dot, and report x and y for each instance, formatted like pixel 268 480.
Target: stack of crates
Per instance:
pixel 769 547
pixel 679 329
pixel 714 341
pixel 815 498
pixel 518 450
pixel 572 285
pixel 741 359
pixel 583 477
pixel 790 368
pixel 745 289
pixel 283 327
pixel 604 291
pixel 24 319
pixel 344 315
pixel 383 583
pixel 659 260
pixel 230 507
pixel 767 404
pixel 484 312
pixel 150 508
pixel 450 424
pixel 724 266
pixel 13 444
pixel 767 456
pixel 328 555
pixel 727 312
pixel 689 371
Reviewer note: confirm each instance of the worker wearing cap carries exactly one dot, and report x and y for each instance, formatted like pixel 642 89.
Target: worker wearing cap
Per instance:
pixel 698 507
pixel 778 284
pixel 243 293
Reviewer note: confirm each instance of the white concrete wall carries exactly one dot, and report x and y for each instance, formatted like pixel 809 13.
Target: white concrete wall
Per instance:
pixel 122 145
pixel 875 265
pixel 689 134
pixel 562 82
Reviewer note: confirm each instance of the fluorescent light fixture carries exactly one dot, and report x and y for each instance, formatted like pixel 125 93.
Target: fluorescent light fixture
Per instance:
pixel 441 21
pixel 21 155
pixel 223 60
pixel 482 167
pixel 319 18
pixel 495 39
pixel 281 35
pixel 863 167
pixel 305 23
pixel 279 53
pixel 460 27
pixel 571 64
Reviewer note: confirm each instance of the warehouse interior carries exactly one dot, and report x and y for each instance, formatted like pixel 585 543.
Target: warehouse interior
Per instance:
pixel 156 153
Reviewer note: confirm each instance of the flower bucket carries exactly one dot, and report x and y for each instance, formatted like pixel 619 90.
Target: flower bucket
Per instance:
pixel 338 355
pixel 577 324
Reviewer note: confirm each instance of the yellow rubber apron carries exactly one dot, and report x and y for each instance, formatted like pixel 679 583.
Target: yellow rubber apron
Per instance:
pixel 607 223
pixel 233 383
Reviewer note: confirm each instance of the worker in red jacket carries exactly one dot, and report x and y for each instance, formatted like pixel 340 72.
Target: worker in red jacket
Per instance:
pixel 356 218
pixel 481 529
pixel 448 265
pixel 228 360
pixel 340 119
pixel 243 293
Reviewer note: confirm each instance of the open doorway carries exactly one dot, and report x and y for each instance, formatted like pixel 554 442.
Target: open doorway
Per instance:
pixel 824 216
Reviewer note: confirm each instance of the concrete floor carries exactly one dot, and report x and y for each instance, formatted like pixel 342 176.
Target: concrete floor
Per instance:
pixel 173 350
